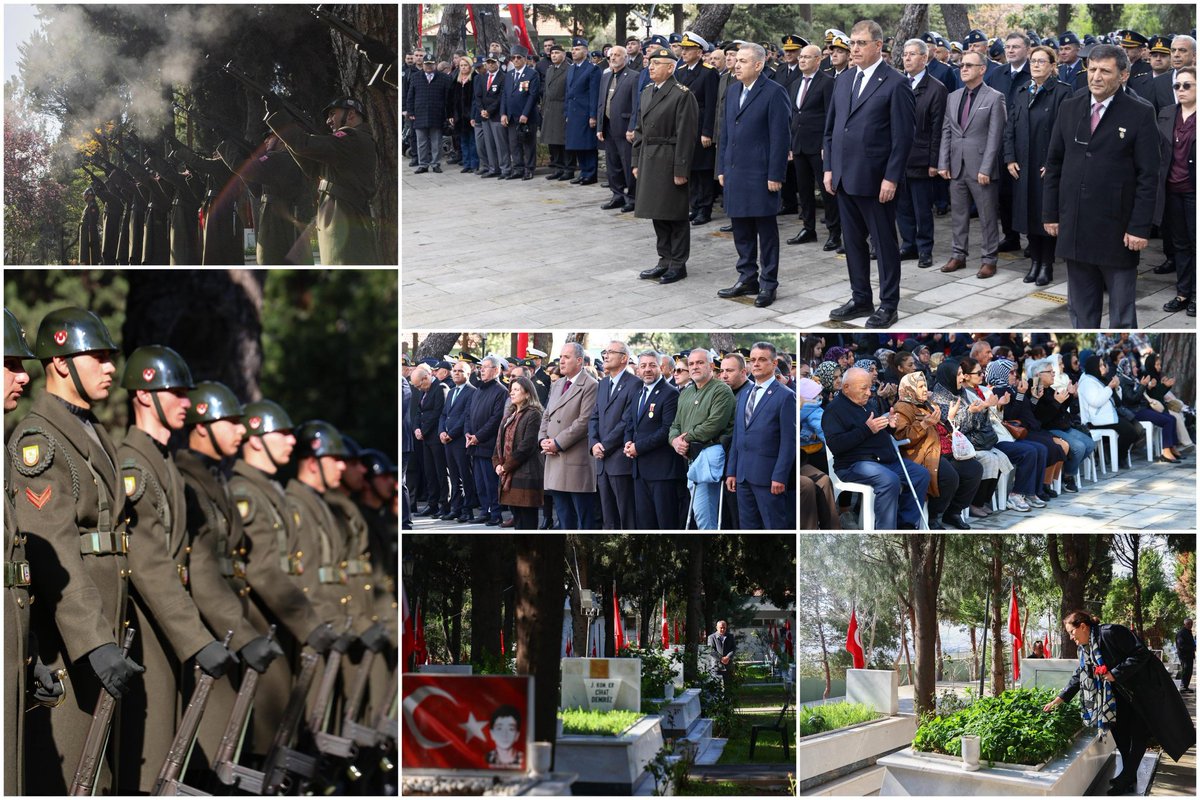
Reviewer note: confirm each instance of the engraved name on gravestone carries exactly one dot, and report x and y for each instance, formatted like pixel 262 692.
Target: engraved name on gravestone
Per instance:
pixel 602 684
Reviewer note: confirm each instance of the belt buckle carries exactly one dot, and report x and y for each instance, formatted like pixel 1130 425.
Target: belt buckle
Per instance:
pixel 239 569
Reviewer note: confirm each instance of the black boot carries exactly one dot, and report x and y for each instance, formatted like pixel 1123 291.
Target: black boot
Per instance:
pixel 1045 274
pixel 1034 268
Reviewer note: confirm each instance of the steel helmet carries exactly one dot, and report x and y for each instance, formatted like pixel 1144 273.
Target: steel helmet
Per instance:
pixel 319 438
pixel 153 367
pixel 69 331
pixel 265 416
pixel 212 401
pixel 15 345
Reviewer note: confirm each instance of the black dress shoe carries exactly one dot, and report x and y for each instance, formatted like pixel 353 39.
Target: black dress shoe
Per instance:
pixel 703 218
pixel 1165 268
pixel 882 318
pixel 1045 274
pixel 785 211
pixel 480 520
pixel 546 525
pixel 1025 253
pixel 653 274
pixel 908 255
pixel 738 289
pixel 428 511
pixel 436 168
pixel 955 521
pixel 803 237
pixel 466 169
pixel 1191 312
pixel 553 176
pixel 1010 244
pixel 587 181
pixel 673 275
pixel 1175 304
pixel 941 211
pixel 832 243
pixel 1031 276
pixel 514 176
pixel 494 523
pixel 841 250
pixel 528 176
pixel 925 261
pixel 850 310
pixel 692 214
pixel 764 299
pixel 414 162
pixel 420 170
pixel 486 173
pixel 616 202
pixel 625 209
pixel 576 180
pixel 726 228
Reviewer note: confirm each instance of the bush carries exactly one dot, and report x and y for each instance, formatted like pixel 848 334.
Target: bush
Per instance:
pixel 1012 728
pixel 831 716
pixel 657 671
pixel 597 723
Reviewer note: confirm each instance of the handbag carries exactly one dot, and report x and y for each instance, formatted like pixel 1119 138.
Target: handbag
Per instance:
pixel 1015 430
pixel 947 444
pixel 961 446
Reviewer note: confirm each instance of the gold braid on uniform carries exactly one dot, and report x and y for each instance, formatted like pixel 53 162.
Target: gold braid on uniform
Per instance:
pixel 44 461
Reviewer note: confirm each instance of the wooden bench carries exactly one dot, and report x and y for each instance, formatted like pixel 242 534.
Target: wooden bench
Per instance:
pixel 777 725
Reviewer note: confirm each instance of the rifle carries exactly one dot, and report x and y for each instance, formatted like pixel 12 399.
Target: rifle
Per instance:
pixel 361 735
pixel 175 764
pixel 379 53
pixel 235 729
pixel 224 130
pixel 84 782
pixel 327 743
pixel 282 762
pixel 266 92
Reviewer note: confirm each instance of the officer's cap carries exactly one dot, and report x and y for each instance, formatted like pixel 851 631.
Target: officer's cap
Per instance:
pixel 348 103
pixel 470 359
pixel 429 362
pixel 974 37
pixel 956 47
pixel 1068 38
pixel 841 42
pixel 579 41
pixel 930 37
pixel 533 351
pixel 692 39
pixel 1131 38
pixel 513 360
pixel 997 49
pixel 794 41
pixel 833 33
pixel 1051 42
pixel 596 54
pixel 492 57
pixel 660 52
pixel 1160 44
pixel 1089 39
pixel 732 46
pixel 657 40
pixel 674 38
pixel 443 364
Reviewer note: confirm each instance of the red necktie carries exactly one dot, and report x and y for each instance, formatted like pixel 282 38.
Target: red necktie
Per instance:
pixel 490 76
pixel 566 386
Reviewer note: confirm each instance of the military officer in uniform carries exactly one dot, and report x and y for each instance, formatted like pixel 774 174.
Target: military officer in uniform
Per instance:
pixel 1135 44
pixel 169 626
pixel 664 144
pixel 345 232
pixel 540 378
pixel 284 212
pixel 70 504
pixel 702 81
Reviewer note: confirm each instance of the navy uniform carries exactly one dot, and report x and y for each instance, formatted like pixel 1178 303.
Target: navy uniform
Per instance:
pixel 702 81
pixel 786 77
pixel 540 378
pixel 583 86
pixel 1075 74
pixel 840 41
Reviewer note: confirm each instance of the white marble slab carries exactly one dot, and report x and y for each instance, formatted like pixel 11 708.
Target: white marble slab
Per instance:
pixel 878 688
pixel 827 755
pixel 679 714
pixel 610 764
pixel 602 683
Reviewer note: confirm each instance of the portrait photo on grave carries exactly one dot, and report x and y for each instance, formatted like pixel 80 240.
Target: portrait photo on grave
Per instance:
pixel 599 428
pixel 1034 664
pixel 653 663
pixel 1060 430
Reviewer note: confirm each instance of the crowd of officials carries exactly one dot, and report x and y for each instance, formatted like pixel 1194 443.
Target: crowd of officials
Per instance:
pixel 1085 146
pixel 649 441
pixel 940 425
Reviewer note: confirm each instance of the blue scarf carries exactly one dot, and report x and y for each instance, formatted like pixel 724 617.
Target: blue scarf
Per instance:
pixel 1099 704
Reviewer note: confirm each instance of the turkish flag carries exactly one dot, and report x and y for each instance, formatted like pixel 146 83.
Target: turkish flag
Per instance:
pixel 502 650
pixel 854 641
pixel 787 638
pixel 618 628
pixel 477 722
pixel 517 12
pixel 1014 627
pixel 666 631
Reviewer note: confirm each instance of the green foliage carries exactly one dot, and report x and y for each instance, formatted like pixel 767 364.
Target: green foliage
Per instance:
pixel 769 748
pixel 657 671
pixel 718 702
pixel 597 723
pixel 488 663
pixel 831 716
pixel 1012 728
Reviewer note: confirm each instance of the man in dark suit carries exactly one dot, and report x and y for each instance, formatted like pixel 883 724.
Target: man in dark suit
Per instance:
pixel 868 136
pixel 701 80
pixel 618 88
pixel 519 114
pixel 452 433
pixel 658 471
pixel 1185 649
pixel 428 107
pixel 489 99
pixel 751 167
pixel 810 96
pixel 1101 181
pixel 429 413
pixel 606 439
pixel 483 423
pixel 762 455
pixel 785 76
pixel 1011 81
pixel 583 85
pixel 723 644
pixel 914 213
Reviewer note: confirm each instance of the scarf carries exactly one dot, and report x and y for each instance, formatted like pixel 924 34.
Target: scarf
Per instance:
pixel 867 364
pixel 908 389
pixel 1099 702
pixel 998 371
pixel 825 374
pixel 1125 369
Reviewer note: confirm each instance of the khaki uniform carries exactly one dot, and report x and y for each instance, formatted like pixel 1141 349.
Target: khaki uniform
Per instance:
pixel 169 627
pixel 664 144
pixel 284 209
pixel 381 524
pixel 70 503
pixel 16 640
pixel 89 234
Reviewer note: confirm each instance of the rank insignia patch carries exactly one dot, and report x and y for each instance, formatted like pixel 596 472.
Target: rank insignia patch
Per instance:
pixel 130 484
pixel 31 454
pixel 38 500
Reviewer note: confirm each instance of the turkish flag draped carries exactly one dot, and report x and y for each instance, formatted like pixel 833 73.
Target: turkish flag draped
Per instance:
pixel 517 11
pixel 854 641
pixel 447 721
pixel 618 627
pixel 666 631
pixel 1014 627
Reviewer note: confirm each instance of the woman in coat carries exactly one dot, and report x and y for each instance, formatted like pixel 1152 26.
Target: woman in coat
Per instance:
pixel 1127 690
pixel 952 484
pixel 462 104
pixel 1177 126
pixel 518 457
pixel 1019 413
pixel 1026 143
pixel 1145 408
pixel 1099 393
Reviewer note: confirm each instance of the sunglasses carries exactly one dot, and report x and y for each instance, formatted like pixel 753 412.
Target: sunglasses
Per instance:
pixel 1184 85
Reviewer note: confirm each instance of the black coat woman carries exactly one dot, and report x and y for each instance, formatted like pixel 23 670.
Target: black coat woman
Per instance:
pixel 1126 690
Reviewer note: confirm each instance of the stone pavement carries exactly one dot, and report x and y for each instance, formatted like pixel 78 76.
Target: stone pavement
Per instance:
pixel 495 254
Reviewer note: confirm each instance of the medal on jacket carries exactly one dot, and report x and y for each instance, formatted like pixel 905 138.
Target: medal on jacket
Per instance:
pixel 1122 132
pixel 651 414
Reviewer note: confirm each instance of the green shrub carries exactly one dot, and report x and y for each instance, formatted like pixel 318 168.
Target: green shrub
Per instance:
pixel 831 716
pixel 597 723
pixel 1012 728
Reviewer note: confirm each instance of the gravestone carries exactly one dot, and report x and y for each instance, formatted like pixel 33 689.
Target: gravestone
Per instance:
pixel 676 665
pixel 878 688
pixel 602 684
pixel 1047 673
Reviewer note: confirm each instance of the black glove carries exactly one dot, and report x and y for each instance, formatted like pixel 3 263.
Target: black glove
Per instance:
pixel 374 638
pixel 215 660
pixel 345 642
pixel 114 668
pixel 322 638
pixel 46 688
pixel 259 653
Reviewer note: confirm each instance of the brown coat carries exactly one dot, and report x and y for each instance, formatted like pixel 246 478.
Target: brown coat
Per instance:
pixel 524 462
pixel 924 447
pixel 16 640
pixel 566 421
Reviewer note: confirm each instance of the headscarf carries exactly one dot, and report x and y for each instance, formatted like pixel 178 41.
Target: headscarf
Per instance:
pixel 808 389
pixel 1125 368
pixel 916 351
pixel 825 374
pixel 883 354
pixel 998 371
pixel 1150 367
pixel 867 363
pixel 835 353
pixel 947 375
pixel 1092 367
pixel 908 388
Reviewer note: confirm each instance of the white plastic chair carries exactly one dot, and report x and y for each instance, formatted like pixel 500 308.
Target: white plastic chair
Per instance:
pixel 867 502
pixel 1153 440
pixel 1101 437
pixel 1000 497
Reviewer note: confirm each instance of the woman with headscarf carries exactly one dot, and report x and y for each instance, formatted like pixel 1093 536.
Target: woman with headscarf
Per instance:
pixel 1163 391
pixel 1147 409
pixel 829 375
pixel 971 420
pixel 952 484
pixel 842 356
pixel 1002 373
pixel 818 506
pixel 1099 393
pixel 1028 459
pixel 812 438
pixel 921 362
pixel 884 393
pixel 1053 404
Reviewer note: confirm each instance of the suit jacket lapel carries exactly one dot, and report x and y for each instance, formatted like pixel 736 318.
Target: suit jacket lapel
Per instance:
pixel 871 84
pixel 755 91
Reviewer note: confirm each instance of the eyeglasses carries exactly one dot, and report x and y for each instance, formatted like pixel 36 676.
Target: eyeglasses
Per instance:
pixel 976 373
pixel 1184 85
pixel 861 42
pixel 1040 61
pixel 680 369
pixel 966 64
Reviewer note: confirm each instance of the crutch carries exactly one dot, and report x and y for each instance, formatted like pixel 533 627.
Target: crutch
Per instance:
pixel 919 501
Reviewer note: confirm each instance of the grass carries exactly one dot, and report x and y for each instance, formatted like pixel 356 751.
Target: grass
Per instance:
pixel 697 788
pixel 769 748
pixel 597 723
pixel 831 716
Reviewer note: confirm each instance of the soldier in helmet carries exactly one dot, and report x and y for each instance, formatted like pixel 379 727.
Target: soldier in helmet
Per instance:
pixel 70 504
pixel 275 555
pixel 285 214
pixel 217 572
pixel 347 159
pixel 89 229
pixel 376 501
pixel 171 631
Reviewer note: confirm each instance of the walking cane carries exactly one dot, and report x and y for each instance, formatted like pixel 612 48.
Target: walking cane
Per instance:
pixel 920 503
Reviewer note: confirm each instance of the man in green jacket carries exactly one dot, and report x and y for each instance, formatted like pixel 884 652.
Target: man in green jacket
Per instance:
pixel 705 415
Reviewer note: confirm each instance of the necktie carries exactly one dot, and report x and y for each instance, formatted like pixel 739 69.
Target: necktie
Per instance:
pixel 454 395
pixel 742 98
pixel 858 79
pixel 566 386
pixel 912 84
pixel 965 110
pixel 612 89
pixel 642 402
pixel 491 75
pixel 1097 110
pixel 612 387
pixel 750 403
pixel 803 92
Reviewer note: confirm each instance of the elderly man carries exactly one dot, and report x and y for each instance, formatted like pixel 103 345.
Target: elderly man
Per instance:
pixel 810 95
pixel 489 99
pixel 583 84
pixel 858 435
pixel 618 89
pixel 519 115
pixel 706 408
pixel 483 424
pixel 570 477
pixel 914 214
pixel 429 413
pixel 1011 81
pixel 1101 181
pixel 428 106
pixel 606 438
pixel 658 473
pixel 751 166
pixel 451 432
pixel 762 456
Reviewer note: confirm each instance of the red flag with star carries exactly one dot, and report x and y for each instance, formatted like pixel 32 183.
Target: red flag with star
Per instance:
pixel 467 722
pixel 854 641
pixel 666 631
pixel 1014 627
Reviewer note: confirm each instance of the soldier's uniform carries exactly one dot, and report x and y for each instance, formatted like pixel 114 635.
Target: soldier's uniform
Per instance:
pixel 345 232
pixel 113 215
pixel 221 240
pixel 70 503
pixel 89 230
pixel 703 82
pixel 284 211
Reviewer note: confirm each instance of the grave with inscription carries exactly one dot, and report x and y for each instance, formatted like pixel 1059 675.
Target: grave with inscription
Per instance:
pixel 602 684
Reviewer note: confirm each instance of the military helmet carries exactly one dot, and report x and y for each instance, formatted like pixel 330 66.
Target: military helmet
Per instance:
pixel 377 462
pixel 265 416
pixel 352 447
pixel 69 331
pixel 318 438
pixel 345 102
pixel 212 401
pixel 153 367
pixel 15 345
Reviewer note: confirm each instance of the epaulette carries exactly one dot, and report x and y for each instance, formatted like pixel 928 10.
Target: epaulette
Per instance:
pixel 684 88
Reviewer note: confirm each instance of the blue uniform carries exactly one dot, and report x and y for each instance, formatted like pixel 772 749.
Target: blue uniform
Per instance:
pixel 583 90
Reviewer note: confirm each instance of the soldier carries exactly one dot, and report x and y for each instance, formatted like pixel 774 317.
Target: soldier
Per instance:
pixel 553 116
pixel 284 213
pixel 275 555
pixel 217 571
pixel 702 81
pixel 109 192
pixel 89 229
pixel 221 242
pixel 70 503
pixel 345 231
pixel 162 609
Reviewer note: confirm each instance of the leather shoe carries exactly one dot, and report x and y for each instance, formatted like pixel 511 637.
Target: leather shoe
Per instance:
pixel 1175 304
pixel 449 515
pixel 480 520
pixel 625 209
pixel 466 169
pixel 587 181
pixel 494 523
pixel 616 202
pixel 1010 244
pixel 908 255
pixel 882 318
pixel 428 511
pixel 803 237
pixel 1165 268
pixel 764 299
pixel 420 170
pixel 1191 312
pixel 850 310
pixel 703 218
pixel 955 521
pixel 785 211
pixel 576 180
pixel 546 525
pixel 511 522
pixel 986 271
pixel 568 176
pixel 413 162
pixel 954 265
pixel 1031 276
pixel 653 273
pixel 553 176
pixel 515 176
pixel 673 275
pixel 738 289
pixel 1045 274
pixel 832 243
pixel 726 228
pixel 436 168
pixel 528 176
pixel 692 214
pixel 925 261
pixel 464 518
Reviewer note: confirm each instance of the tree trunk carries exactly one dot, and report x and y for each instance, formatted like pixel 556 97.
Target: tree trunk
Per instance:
pixel 926 554
pixel 904 645
pixel 622 22
pixel 539 623
pixel 489 27
pixel 912 22
pixel 997 643
pixel 824 649
pixel 1064 17
pixel 411 22
pixel 1073 561
pixel 580 552
pixel 454 643
pixel 974 653
pixel 721 341
pixel 805 10
pixel 1105 16
pixel 435 345
pixel 941 671
pixel 695 551
pixel 486 586
pixel 678 18
pixel 871 634
pixel 542 341
pixel 1179 361
pixel 450 32
pixel 957 24
pixel 711 21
